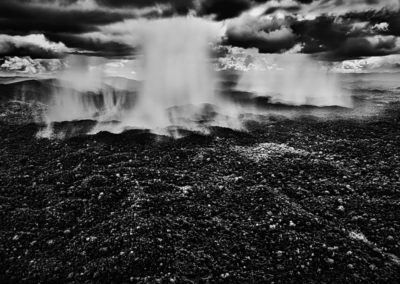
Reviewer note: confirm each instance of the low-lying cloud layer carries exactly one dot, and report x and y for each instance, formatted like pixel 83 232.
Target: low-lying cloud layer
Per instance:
pixel 27 65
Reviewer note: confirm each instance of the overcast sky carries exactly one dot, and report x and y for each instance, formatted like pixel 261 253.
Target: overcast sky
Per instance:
pixel 328 29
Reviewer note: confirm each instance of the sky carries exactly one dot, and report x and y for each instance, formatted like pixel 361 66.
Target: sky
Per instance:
pixel 347 32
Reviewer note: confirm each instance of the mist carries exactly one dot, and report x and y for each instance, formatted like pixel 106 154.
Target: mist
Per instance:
pixel 178 78
pixel 173 83
pixel 176 84
pixel 294 79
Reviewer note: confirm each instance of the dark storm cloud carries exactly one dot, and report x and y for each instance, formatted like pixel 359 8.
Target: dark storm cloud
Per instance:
pixel 361 47
pixel 140 3
pixel 33 17
pixel 321 34
pixel 262 29
pixel 376 17
pixel 26 26
pixel 93 46
pixel 263 45
pixel 177 6
pixel 45 2
pixel 349 36
pixel 394 24
pixel 269 36
pixel 221 9
pixel 332 28
pixel 62 20
pixel 305 1
pixel 224 9
pixel 42 18
pixel 31 51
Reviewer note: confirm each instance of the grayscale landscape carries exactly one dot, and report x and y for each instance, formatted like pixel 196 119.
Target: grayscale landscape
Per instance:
pixel 209 141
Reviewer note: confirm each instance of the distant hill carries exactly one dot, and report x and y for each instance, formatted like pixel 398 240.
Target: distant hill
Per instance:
pixel 121 83
pixel 43 90
pixel 29 90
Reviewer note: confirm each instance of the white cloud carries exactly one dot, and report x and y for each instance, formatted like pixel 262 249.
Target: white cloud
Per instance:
pixel 372 64
pixel 241 59
pixel 259 10
pixel 381 27
pixel 37 44
pixel 359 26
pixel 245 59
pixel 297 48
pixel 390 44
pixel 27 65
pixel 263 27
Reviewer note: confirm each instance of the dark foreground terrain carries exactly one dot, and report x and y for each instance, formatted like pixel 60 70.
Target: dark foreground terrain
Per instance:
pixel 290 201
